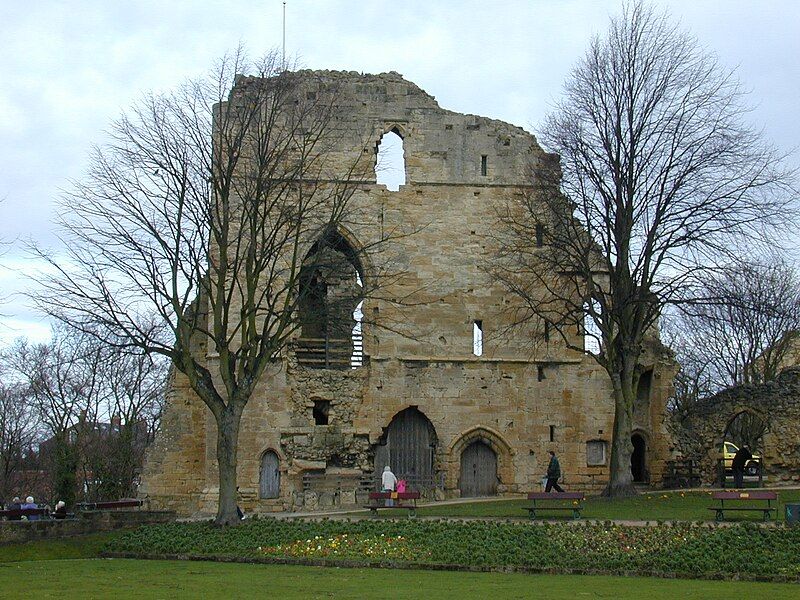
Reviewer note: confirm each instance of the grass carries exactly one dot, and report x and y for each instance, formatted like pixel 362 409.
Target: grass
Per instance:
pixel 665 506
pixel 138 579
pixel 85 546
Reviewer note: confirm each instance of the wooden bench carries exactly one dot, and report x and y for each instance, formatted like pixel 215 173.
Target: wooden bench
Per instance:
pixel 16 514
pixel 555 501
pixel 110 504
pixel 754 496
pixel 403 500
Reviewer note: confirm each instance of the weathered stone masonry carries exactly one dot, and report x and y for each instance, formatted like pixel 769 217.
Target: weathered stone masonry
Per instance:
pixel 502 407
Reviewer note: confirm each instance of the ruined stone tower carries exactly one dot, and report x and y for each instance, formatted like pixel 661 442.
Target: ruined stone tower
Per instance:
pixel 454 403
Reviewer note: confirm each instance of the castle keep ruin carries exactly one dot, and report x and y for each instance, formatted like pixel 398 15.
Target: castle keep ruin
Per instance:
pixel 454 403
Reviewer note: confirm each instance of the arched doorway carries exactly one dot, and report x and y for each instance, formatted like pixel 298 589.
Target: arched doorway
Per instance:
pixel 639 458
pixel 744 429
pixel 478 470
pixel 270 481
pixel 408 446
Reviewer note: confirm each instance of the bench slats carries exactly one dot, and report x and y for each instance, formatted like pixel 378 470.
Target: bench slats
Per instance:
pixel 394 495
pixel 551 497
pixel 754 495
pixel 556 496
pixel 757 495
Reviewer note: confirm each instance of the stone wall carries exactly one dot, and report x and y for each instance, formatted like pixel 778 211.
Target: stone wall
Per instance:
pixel 17 532
pixel 699 434
pixel 511 397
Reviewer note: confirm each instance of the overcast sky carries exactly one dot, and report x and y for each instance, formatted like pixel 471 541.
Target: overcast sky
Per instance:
pixel 68 68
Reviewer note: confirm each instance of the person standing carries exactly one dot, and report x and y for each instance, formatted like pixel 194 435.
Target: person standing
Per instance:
pixel 739 461
pixel 553 474
pixel 388 483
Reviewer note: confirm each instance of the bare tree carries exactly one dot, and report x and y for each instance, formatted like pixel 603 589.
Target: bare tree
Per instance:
pixel 17 433
pixel 203 208
pixel 744 323
pixel 660 178
pixel 66 392
pixel 136 386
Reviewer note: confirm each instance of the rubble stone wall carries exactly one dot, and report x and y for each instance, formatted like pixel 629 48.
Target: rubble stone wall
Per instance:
pixel 700 434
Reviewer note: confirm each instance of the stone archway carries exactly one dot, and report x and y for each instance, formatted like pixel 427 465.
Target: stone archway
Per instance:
pixel 484 450
pixel 746 429
pixel 408 446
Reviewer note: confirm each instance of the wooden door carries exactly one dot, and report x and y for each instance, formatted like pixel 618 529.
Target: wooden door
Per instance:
pixel 478 470
pixel 270 476
pixel 409 449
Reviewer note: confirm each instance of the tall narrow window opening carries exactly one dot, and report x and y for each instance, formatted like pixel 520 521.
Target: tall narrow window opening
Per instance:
pixel 590 330
pixel 484 165
pixel 552 433
pixel 540 374
pixel 390 166
pixel 477 337
pixel 357 357
pixel 539 235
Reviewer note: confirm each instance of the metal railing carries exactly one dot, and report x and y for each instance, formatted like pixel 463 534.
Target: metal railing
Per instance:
pixel 722 473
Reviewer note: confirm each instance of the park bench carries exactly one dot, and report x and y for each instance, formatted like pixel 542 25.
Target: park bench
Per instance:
pixel 16 514
pixel 555 501
pixel 402 500
pixel 745 501
pixel 110 504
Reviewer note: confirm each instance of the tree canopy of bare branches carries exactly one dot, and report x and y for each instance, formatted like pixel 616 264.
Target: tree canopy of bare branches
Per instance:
pixel 201 210
pixel 743 325
pixel 18 432
pixel 660 177
pixel 92 406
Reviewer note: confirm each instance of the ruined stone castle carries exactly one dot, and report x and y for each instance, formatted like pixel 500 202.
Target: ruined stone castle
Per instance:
pixel 456 404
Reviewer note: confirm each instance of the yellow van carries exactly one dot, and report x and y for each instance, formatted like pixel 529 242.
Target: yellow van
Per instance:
pixel 729 450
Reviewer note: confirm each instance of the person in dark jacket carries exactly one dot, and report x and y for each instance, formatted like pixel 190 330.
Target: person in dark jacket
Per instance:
pixel 739 461
pixel 61 510
pixel 553 474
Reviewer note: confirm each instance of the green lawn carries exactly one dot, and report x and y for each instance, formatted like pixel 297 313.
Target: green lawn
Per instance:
pixel 85 546
pixel 87 579
pixel 665 506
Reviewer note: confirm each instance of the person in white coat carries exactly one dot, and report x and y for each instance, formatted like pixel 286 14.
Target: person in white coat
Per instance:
pixel 388 483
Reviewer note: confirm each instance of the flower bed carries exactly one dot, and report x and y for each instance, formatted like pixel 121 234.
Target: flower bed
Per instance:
pixel 686 550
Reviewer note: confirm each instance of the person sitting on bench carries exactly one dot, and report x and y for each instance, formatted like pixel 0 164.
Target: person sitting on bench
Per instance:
pixel 553 474
pixel 29 503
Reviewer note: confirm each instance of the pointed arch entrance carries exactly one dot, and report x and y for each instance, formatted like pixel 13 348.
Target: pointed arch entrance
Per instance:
pixel 478 470
pixel 330 303
pixel 408 446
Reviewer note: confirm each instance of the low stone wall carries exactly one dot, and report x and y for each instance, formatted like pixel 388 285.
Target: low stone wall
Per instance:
pixel 85 522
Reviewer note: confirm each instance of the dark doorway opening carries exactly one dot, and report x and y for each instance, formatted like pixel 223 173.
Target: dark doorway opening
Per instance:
pixel 639 459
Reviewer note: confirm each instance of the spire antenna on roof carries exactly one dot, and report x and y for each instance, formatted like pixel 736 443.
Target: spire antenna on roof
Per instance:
pixel 283 53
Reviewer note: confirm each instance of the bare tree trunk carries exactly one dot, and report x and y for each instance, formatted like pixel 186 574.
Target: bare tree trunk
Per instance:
pixel 227 441
pixel 620 483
